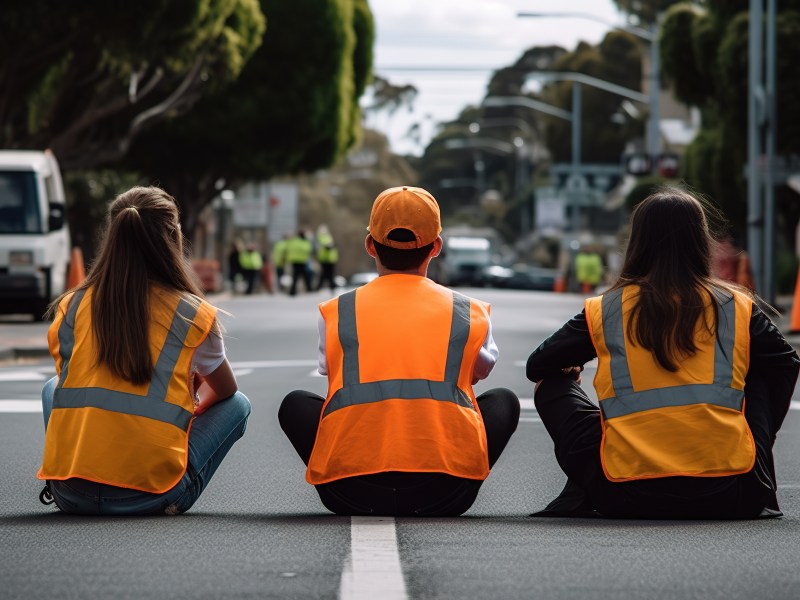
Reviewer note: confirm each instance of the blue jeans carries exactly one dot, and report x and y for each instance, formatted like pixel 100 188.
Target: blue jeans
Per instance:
pixel 212 434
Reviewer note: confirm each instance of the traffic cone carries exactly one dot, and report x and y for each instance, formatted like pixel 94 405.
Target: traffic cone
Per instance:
pixel 76 273
pixel 560 284
pixel 794 326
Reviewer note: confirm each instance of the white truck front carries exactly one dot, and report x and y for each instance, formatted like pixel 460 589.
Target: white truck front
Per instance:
pixel 34 238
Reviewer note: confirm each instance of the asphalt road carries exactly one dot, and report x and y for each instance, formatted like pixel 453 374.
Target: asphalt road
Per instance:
pixel 259 531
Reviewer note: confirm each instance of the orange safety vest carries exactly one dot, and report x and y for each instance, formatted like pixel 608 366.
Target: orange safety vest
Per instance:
pixel 401 352
pixel 108 430
pixel 660 424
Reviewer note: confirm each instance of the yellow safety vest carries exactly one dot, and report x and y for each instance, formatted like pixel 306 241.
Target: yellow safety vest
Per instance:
pixel 108 430
pixel 401 352
pixel 660 424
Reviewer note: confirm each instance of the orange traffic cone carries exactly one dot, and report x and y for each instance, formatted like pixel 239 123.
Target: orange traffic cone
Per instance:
pixel 560 284
pixel 76 273
pixel 794 326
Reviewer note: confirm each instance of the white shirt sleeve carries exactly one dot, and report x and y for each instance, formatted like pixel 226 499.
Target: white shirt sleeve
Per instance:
pixel 209 355
pixel 322 366
pixel 487 357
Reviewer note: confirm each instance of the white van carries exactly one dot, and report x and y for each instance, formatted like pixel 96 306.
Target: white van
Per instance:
pixel 34 239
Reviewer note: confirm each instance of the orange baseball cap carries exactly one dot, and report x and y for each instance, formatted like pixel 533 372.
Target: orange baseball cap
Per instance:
pixel 409 208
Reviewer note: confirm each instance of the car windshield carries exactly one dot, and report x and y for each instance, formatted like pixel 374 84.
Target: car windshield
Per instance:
pixel 19 206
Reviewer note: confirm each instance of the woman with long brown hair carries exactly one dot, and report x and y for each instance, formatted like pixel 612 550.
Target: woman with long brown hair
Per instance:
pixel 693 382
pixel 144 405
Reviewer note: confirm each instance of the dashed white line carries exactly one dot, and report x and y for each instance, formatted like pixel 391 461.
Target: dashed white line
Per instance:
pixel 373 568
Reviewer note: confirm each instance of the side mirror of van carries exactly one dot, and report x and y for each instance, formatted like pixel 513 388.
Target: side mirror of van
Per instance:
pixel 56 218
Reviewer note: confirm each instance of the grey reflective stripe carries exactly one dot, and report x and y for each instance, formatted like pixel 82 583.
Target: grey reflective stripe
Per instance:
pixel 726 338
pixel 124 403
pixel 681 395
pixel 614 336
pixel 400 389
pixel 154 405
pixel 66 335
pixel 459 334
pixel 348 337
pixel 626 401
pixel 354 392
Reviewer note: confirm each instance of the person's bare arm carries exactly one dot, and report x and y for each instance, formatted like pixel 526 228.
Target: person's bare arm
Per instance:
pixel 217 385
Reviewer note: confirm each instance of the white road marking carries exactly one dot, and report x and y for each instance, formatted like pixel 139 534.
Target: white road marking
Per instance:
pixel 795 405
pixel 242 372
pixel 530 420
pixel 20 406
pixel 22 376
pixel 266 364
pixel 373 568
pixel 526 404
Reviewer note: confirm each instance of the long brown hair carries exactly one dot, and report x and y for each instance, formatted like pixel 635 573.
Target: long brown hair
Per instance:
pixel 142 246
pixel 668 257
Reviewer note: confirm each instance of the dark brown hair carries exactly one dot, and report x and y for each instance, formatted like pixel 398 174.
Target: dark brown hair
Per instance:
pixel 668 257
pixel 141 246
pixel 398 259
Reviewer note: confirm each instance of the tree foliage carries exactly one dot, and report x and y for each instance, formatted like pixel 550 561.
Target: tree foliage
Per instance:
pixel 705 55
pixel 85 78
pixel 617 60
pixel 294 108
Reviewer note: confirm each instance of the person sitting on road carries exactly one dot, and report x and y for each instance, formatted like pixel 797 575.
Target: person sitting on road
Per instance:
pixel 678 352
pixel 144 406
pixel 401 431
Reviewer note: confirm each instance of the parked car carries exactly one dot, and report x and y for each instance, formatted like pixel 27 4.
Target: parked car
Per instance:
pixel 521 277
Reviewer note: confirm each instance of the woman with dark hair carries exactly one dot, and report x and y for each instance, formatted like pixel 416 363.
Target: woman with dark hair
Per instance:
pixel 144 405
pixel 693 382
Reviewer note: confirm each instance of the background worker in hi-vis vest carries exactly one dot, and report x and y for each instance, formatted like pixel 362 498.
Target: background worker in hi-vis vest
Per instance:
pixel 693 382
pixel 401 431
pixel 144 405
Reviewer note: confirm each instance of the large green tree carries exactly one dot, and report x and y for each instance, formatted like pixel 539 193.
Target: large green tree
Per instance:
pixel 85 78
pixel 293 109
pixel 704 50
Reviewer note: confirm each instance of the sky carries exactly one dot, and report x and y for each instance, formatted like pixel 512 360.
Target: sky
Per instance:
pixel 480 35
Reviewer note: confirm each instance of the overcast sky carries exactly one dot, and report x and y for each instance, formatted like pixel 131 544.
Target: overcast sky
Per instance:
pixel 474 34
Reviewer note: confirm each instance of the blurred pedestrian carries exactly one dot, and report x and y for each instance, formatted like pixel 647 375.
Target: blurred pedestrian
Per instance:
pixel 298 255
pixel 144 406
pixel 677 349
pixel 279 259
pixel 251 262
pixel 588 269
pixel 234 269
pixel 401 431
pixel 327 257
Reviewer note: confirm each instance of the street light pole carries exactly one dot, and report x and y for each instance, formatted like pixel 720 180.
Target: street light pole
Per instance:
pixel 654 93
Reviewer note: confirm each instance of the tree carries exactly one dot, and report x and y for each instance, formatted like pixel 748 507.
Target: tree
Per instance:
pixel 617 59
pixel 85 78
pixel 293 109
pixel 705 55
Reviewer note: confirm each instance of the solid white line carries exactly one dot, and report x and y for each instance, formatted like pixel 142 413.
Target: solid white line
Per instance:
pixel 530 420
pixel 259 364
pixel 795 405
pixel 21 376
pixel 373 568
pixel 20 406
pixel 526 404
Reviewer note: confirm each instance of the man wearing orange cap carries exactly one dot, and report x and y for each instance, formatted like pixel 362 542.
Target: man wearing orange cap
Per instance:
pixel 400 431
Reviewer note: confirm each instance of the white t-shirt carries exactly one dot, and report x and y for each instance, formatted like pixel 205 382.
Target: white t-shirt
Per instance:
pixel 209 355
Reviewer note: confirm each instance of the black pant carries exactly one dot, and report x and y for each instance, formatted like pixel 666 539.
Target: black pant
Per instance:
pixel 300 271
pixel 326 275
pixel 573 423
pixel 395 493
